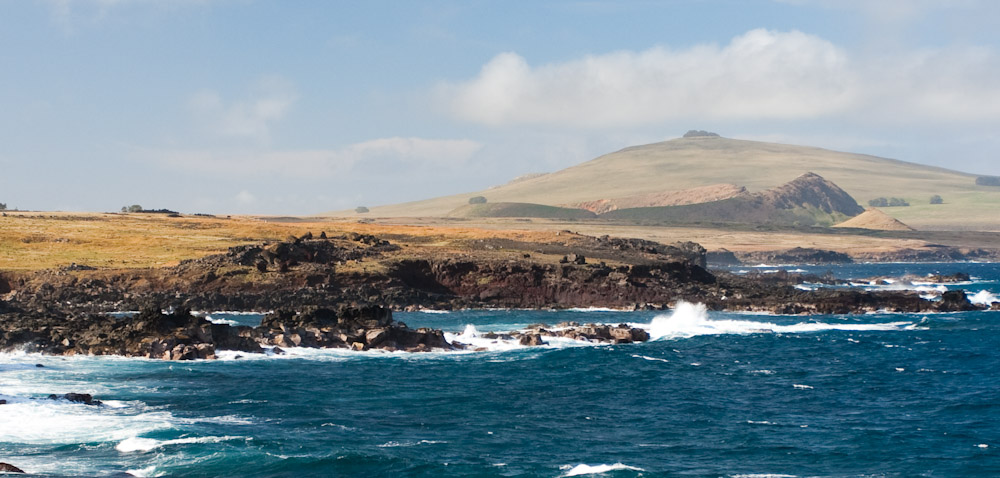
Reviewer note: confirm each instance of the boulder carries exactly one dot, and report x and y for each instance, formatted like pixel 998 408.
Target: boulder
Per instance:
pixel 955 301
pixel 84 398
pixel 531 340
pixel 8 468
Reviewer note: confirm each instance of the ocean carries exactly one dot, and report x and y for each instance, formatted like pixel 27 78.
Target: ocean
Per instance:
pixel 712 395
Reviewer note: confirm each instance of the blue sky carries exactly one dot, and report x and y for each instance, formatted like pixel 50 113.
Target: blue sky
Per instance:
pixel 241 106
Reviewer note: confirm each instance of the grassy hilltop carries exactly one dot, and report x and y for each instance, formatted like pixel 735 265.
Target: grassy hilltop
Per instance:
pixel 687 163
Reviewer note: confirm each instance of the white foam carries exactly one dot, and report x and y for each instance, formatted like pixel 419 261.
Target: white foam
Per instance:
pixel 591 309
pixel 583 469
pixel 63 422
pixel 802 387
pixel 221 321
pixel 432 311
pixel 983 297
pixel 651 359
pixel 149 471
pixel 395 444
pixel 137 444
pixel 689 320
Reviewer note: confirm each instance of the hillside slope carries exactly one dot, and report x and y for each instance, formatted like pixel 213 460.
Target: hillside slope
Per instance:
pixel 875 220
pixel 702 194
pixel 805 201
pixel 687 163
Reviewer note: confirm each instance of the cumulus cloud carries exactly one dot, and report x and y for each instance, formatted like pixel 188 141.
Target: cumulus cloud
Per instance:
pixel 250 117
pixel 759 74
pixel 321 163
pixel 245 197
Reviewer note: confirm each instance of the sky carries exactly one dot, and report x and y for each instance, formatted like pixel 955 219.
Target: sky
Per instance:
pixel 276 107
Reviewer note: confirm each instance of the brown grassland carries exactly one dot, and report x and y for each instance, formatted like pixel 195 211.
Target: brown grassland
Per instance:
pixel 44 240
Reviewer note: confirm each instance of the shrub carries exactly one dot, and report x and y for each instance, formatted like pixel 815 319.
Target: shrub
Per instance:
pixel 888 202
pixel 935 199
pixel 697 133
pixel 132 208
pixel 3 207
pixel 360 209
pixel 477 200
pixel 988 181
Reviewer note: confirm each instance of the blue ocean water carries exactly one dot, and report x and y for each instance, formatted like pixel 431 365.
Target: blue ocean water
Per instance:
pixel 714 395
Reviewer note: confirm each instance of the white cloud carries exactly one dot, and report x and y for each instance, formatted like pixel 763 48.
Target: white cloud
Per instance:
pixel 250 117
pixel 760 75
pixel 322 163
pixel 245 197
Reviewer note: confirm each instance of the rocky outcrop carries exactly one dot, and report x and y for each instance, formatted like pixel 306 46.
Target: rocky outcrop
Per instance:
pixel 8 468
pixel 182 336
pixel 84 398
pixel 810 190
pixel 797 255
pixel 358 328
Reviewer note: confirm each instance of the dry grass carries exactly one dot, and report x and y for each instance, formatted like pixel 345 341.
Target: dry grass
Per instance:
pixel 683 164
pixel 33 241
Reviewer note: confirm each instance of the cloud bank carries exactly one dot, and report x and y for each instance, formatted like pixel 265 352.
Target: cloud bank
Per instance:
pixel 760 75
pixel 320 163
pixel 250 117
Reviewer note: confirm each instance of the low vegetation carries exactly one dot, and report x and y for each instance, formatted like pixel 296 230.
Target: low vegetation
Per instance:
pixel 988 181
pixel 477 200
pixel 935 199
pixel 361 209
pixel 515 209
pixel 888 202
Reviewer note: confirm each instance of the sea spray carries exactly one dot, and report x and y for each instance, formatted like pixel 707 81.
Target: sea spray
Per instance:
pixel 689 320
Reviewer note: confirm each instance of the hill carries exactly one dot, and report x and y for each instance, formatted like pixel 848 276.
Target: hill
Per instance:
pixel 805 201
pixel 515 209
pixel 686 163
pixel 874 219
pixel 716 192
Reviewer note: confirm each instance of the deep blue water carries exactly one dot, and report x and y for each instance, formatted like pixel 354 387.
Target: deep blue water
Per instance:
pixel 716 395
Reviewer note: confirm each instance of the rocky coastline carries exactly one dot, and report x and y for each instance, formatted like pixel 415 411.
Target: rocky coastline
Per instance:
pixel 340 293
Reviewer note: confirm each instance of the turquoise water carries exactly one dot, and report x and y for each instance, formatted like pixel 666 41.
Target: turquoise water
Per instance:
pixel 714 395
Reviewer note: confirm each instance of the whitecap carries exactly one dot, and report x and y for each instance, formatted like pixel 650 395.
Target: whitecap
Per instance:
pixel 583 469
pixel 149 471
pixel 983 297
pixel 395 444
pixel 651 359
pixel 138 444
pixel 689 320
pixel 60 422
pixel 802 387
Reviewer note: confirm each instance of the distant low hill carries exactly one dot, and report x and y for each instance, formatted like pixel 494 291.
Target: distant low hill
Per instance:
pixel 516 209
pixel 700 161
pixel 715 192
pixel 805 201
pixel 876 220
